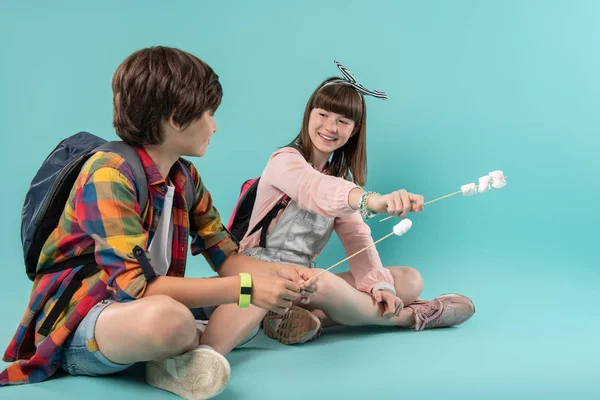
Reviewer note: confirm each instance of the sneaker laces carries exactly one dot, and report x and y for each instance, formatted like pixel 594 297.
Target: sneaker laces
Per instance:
pixel 427 312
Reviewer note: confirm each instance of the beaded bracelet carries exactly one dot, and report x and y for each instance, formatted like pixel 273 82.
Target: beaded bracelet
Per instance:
pixel 363 204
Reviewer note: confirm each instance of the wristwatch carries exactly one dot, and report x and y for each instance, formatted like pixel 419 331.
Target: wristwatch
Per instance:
pixel 245 290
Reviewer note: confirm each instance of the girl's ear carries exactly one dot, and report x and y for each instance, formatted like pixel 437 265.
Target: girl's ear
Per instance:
pixel 356 129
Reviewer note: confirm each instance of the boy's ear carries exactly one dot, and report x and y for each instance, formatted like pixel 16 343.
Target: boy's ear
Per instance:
pixel 172 122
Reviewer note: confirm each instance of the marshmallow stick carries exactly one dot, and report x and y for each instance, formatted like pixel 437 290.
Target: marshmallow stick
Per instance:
pixel 399 229
pixel 347 258
pixel 429 202
pixel 495 179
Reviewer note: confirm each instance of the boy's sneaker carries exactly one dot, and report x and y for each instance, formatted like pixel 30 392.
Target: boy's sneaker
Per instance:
pixel 441 312
pixel 201 373
pixel 296 326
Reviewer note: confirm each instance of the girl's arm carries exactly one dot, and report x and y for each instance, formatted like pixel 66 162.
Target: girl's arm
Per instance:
pixel 314 191
pixel 366 267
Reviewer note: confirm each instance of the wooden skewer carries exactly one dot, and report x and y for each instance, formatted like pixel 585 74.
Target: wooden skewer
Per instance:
pixel 347 258
pixel 429 202
pixel 380 240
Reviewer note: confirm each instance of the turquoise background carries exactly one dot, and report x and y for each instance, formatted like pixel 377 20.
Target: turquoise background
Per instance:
pixel 473 86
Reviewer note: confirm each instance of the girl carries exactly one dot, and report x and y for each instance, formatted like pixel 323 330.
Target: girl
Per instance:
pixel 321 173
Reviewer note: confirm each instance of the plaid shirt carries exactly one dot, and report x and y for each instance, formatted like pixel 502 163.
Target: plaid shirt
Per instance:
pixel 102 217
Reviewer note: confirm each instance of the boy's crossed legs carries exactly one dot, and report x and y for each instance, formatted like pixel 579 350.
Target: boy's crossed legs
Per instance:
pixel 155 329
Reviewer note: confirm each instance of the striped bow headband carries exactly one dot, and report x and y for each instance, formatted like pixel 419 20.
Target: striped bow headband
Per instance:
pixel 351 80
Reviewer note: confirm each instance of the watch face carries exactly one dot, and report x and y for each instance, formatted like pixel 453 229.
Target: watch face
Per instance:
pixel 246 290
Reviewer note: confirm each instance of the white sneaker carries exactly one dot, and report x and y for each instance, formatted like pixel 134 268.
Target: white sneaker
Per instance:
pixel 201 373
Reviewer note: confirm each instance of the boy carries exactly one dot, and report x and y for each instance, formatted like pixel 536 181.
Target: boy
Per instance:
pixel 133 304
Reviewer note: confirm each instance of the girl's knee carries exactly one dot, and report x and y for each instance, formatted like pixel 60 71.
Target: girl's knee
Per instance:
pixel 326 281
pixel 416 280
pixel 408 278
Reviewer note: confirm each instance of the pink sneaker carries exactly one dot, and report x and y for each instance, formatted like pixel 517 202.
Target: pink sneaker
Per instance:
pixel 296 326
pixel 441 312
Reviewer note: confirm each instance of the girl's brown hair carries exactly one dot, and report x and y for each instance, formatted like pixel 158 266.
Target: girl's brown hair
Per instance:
pixel 351 158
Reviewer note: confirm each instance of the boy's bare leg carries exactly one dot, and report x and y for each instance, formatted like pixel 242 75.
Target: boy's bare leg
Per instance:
pixel 229 325
pixel 151 328
pixel 163 332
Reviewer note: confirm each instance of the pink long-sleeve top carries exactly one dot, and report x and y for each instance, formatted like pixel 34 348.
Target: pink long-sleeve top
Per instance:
pixel 287 172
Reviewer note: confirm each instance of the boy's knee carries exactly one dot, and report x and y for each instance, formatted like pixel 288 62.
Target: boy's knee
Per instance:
pixel 169 323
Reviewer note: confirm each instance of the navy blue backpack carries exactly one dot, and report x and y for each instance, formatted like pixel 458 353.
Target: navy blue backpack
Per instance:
pixel 51 186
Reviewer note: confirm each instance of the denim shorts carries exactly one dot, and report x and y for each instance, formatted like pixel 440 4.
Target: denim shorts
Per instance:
pixel 80 352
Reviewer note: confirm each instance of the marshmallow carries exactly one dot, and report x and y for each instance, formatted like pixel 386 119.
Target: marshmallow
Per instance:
pixel 484 183
pixel 498 179
pixel 497 175
pixel 402 227
pixel 469 189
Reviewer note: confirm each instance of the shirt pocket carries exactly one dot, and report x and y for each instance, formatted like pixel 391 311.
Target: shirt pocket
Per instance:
pixel 315 221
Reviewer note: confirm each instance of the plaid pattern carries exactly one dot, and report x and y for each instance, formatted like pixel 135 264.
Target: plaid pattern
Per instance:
pixel 102 217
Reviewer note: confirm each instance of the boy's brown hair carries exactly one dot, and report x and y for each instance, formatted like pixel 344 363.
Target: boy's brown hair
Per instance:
pixel 157 83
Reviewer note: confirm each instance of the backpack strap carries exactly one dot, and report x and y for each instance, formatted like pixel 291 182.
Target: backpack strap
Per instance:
pixel 267 219
pixel 89 269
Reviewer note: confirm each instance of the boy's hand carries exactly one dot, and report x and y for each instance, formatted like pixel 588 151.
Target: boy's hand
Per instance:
pixel 392 305
pixel 274 293
pixel 299 274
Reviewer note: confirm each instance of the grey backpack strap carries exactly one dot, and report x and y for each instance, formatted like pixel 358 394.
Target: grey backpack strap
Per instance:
pixel 135 163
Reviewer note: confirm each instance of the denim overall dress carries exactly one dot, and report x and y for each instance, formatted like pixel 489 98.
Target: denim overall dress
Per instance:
pixel 297 238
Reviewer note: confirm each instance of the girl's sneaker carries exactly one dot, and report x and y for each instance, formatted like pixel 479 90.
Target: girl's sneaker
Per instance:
pixel 442 312
pixel 296 326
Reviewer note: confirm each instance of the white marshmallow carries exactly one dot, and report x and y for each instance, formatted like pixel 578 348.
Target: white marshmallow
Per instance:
pixel 484 183
pixel 499 184
pixel 497 175
pixel 498 179
pixel 402 227
pixel 469 189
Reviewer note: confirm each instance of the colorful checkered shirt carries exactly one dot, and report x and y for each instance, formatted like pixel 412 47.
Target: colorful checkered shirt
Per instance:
pixel 102 217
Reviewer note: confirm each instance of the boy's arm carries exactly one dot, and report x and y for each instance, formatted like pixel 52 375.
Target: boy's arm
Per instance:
pixel 209 236
pixel 105 207
pixel 196 292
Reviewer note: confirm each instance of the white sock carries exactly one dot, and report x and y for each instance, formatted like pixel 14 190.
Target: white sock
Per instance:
pixel 205 346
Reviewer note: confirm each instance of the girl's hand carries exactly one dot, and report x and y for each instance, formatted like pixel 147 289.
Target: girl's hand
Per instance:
pixel 392 305
pixel 398 203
